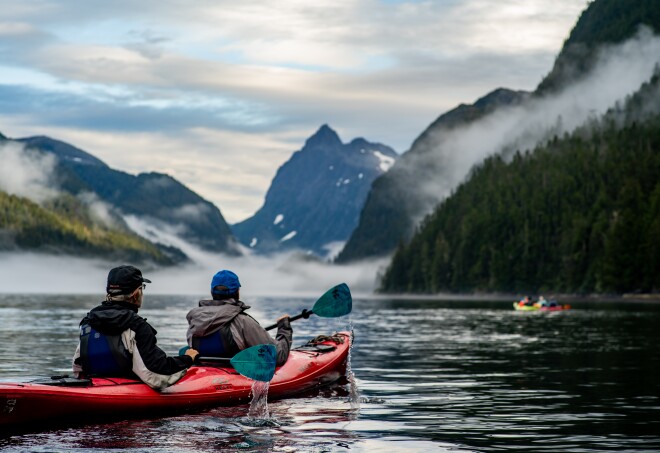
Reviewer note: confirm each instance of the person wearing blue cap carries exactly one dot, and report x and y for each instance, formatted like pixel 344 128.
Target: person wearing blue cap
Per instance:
pixel 220 327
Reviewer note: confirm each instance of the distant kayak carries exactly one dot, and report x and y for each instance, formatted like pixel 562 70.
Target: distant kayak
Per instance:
pixel 539 307
pixel 519 307
pixel 30 406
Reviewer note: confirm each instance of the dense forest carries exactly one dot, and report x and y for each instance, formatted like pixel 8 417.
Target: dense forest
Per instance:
pixel 579 214
pixel 397 199
pixel 603 22
pixel 65 225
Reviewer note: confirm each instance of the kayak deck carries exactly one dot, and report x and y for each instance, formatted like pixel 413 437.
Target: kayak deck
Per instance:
pixel 28 405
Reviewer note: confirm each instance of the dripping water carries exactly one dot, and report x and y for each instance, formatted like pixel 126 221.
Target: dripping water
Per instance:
pixel 259 402
pixel 354 394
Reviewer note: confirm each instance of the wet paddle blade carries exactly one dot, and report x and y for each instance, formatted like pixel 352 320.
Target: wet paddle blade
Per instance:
pixel 257 362
pixel 336 302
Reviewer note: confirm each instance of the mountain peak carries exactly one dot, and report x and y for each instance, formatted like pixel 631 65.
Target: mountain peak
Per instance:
pixel 602 23
pixel 316 197
pixel 501 96
pixel 324 136
pixel 62 150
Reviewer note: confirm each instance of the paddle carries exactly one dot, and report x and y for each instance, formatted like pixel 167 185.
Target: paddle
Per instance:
pixel 256 362
pixel 336 302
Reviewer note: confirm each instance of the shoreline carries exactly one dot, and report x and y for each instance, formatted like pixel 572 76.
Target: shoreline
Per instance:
pixel 446 297
pixel 479 297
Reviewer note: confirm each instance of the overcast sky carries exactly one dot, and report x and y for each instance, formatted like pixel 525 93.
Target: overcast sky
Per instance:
pixel 220 93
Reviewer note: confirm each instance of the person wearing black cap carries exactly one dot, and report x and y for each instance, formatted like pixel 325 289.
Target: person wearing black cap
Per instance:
pixel 116 342
pixel 221 328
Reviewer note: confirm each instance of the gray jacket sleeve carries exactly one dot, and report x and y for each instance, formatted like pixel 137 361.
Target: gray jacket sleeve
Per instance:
pixel 247 332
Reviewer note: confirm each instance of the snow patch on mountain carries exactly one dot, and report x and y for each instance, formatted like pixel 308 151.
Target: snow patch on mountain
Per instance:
pixel 289 236
pixel 386 162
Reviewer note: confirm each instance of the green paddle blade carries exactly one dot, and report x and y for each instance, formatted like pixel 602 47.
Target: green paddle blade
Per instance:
pixel 257 362
pixel 334 303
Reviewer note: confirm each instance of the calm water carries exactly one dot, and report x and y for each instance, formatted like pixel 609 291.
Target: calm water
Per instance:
pixel 432 376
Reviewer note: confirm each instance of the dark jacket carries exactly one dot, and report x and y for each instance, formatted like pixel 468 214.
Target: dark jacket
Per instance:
pixel 244 331
pixel 148 362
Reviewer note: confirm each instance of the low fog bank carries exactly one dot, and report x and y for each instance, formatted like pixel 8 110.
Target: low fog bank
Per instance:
pixel 282 275
pixel 619 72
pixel 287 274
pixel 26 173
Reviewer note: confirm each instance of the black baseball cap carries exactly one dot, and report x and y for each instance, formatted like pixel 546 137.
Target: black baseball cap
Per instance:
pixel 124 280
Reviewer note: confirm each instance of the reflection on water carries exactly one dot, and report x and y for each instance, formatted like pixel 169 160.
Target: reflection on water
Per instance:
pixel 433 376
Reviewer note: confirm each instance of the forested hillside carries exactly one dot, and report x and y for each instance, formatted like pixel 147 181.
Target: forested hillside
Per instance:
pixel 603 22
pixel 398 200
pixel 156 199
pixel 579 214
pixel 64 225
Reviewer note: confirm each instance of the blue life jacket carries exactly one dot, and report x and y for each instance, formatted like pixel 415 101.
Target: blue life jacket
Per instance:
pixel 104 355
pixel 218 344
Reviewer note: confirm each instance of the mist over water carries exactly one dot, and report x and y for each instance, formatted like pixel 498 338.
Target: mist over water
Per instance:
pixel 285 274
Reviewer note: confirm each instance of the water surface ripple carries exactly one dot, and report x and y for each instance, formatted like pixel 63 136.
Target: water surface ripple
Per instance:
pixel 431 375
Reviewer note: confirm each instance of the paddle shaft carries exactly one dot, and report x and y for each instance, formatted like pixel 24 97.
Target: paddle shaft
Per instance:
pixel 305 314
pixel 212 360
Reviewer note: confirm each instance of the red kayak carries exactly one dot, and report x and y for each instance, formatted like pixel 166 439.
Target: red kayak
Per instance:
pixel 554 307
pixel 28 406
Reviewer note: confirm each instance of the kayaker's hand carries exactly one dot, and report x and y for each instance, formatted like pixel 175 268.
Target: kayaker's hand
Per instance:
pixel 283 323
pixel 192 353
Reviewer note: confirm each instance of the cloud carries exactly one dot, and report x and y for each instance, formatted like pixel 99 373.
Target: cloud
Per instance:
pixel 100 212
pixel 192 212
pixel 231 168
pixel 290 56
pixel 619 72
pixel 273 276
pixel 31 174
pixel 283 276
pixel 257 73
pixel 26 173
pixel 146 43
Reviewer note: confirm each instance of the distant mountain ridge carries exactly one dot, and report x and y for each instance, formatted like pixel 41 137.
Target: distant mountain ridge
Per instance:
pixel 156 198
pixel 65 225
pixel 64 151
pixel 315 198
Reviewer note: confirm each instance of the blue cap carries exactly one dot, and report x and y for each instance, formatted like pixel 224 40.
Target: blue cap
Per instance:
pixel 225 279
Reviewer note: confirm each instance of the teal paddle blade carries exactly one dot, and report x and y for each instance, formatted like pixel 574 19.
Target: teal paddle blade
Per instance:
pixel 336 302
pixel 257 362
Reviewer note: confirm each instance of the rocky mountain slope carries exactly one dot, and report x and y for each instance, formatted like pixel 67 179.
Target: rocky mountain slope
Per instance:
pixel 316 197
